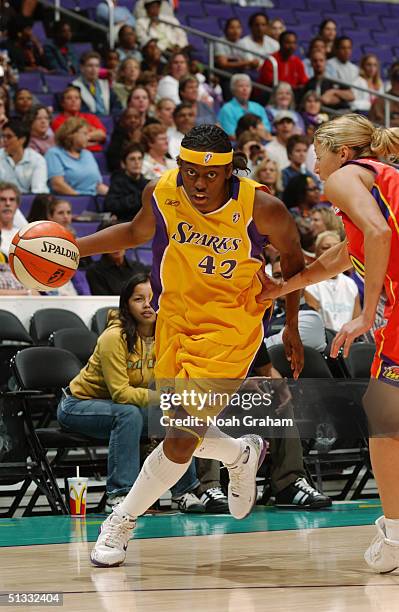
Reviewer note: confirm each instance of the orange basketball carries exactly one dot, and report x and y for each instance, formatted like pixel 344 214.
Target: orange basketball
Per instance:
pixel 43 255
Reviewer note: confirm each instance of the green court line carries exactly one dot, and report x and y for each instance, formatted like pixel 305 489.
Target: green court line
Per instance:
pixel 64 529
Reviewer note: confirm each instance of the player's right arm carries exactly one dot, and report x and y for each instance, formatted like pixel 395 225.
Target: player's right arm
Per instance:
pixel 124 235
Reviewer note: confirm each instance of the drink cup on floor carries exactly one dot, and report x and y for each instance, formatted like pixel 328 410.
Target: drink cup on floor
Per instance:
pixel 77 495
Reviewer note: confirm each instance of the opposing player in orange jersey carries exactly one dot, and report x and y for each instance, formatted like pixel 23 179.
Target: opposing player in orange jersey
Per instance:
pixel 365 192
pixel 208 228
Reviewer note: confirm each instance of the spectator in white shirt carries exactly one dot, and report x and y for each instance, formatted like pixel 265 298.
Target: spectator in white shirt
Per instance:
pixel 156 159
pixel 258 41
pixel 19 165
pixel 284 123
pixel 169 38
pixel 11 218
pixel 337 299
pixel 340 66
pixel 184 116
pixel 168 86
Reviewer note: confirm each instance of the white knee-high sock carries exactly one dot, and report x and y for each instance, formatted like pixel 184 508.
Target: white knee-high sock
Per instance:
pixel 157 475
pixel 220 446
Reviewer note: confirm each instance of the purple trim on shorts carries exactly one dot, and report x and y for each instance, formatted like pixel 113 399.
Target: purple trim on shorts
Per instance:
pixel 258 241
pixel 159 244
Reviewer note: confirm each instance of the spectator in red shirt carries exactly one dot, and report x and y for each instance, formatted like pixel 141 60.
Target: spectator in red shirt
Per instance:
pixel 290 67
pixel 71 103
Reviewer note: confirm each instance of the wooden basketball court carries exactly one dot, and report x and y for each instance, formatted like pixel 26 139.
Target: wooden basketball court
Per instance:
pixel 273 560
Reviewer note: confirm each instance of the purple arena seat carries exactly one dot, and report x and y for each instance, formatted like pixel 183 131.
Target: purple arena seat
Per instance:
pixel 287 15
pixel 102 161
pixel 108 122
pixel 46 99
pixel 84 229
pixel 82 203
pixel 107 179
pixel 31 80
pixel 321 5
pixel 81 48
pixel 189 9
pixel 220 11
pixel 144 256
pixel 58 82
pixel 39 31
pixel 87 4
pixel 307 17
pixel 367 22
pixel 349 6
pixel 206 24
pixel 389 23
pixel 26 202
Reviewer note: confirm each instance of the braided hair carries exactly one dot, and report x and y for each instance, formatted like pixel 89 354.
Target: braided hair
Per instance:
pixel 207 137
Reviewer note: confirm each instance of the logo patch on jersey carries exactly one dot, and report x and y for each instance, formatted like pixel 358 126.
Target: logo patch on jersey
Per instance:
pixel 236 217
pixel 391 373
pixel 186 234
pixel 207 157
pixel 337 210
pixel 172 202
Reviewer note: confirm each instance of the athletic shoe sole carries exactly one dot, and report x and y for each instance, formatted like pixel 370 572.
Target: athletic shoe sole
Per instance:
pixel 315 506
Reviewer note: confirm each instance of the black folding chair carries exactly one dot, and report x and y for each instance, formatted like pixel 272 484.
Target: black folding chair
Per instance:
pixel 48 320
pixel 80 342
pixel 359 360
pixel 48 370
pixel 13 338
pixel 100 318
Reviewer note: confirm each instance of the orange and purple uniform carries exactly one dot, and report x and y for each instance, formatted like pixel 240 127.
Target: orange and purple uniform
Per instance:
pixel 385 191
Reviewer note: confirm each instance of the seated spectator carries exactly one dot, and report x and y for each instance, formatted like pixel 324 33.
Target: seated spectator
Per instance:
pixel 11 218
pixel 316 44
pixel 139 99
pixel 310 323
pixel 149 81
pixel 297 148
pixel 71 103
pixel 337 299
pixel 4 107
pixel 188 92
pixel 60 211
pixel 41 134
pixel 252 147
pixel 290 67
pixel 254 124
pixel 40 207
pixel 169 38
pixel 122 15
pixel 240 104
pixel 370 78
pixel 229 58
pixel 9 79
pixel 20 165
pixel 23 102
pixel 334 95
pixel 127 46
pixel 111 65
pixel 153 60
pixel 9 284
pixel 277 148
pixel 311 113
pixel 301 195
pixel 156 159
pixel 59 54
pixel 127 130
pixel 124 196
pixel 275 28
pixel 97 96
pixel 164 112
pixel 25 50
pixel 283 99
pixel 72 170
pixel 126 79
pixel 108 275
pixel 324 219
pixel 267 173
pixel 340 66
pixel 184 118
pixel 377 111
pixel 168 86
pixel 328 32
pixel 166 9
pixel 258 41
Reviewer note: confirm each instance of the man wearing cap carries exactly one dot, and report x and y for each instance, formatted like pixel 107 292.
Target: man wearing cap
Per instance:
pixel 240 105
pixel 169 38
pixel 284 122
pixel 208 228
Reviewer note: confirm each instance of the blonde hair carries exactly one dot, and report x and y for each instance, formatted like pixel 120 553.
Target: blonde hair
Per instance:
pixel 332 222
pixel 255 175
pixel 64 135
pixel 359 134
pixel 322 236
pixel 376 80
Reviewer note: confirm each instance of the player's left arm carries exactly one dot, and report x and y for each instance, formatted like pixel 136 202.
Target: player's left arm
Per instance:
pixel 349 189
pixel 272 219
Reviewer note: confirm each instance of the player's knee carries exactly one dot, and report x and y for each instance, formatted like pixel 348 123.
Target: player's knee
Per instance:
pixel 179 448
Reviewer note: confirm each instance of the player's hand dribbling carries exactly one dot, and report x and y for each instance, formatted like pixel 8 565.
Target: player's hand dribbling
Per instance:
pixel 293 349
pixel 348 333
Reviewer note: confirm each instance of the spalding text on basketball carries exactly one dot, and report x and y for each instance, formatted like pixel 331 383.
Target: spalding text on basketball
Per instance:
pixel 49 247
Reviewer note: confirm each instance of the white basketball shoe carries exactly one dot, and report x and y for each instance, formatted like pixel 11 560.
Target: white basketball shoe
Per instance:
pixel 242 486
pixel 111 546
pixel 383 554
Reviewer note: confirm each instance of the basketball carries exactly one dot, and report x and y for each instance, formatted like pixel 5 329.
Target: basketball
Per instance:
pixel 43 255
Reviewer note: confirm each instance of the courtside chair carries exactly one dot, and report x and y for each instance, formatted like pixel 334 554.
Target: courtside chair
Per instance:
pixel 42 371
pixel 81 342
pixel 13 338
pixel 100 318
pixel 48 320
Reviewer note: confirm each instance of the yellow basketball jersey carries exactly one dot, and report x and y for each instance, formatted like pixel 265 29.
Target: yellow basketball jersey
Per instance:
pixel 204 265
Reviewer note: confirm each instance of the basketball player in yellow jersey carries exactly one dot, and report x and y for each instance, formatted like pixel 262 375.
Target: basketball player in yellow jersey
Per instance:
pixel 208 229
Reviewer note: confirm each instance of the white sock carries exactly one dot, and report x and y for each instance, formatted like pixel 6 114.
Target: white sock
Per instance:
pixel 220 446
pixel 157 475
pixel 392 529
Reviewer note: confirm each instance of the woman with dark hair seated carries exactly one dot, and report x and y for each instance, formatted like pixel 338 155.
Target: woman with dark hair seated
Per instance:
pixel 301 195
pixel 109 399
pixel 41 135
pixel 127 130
